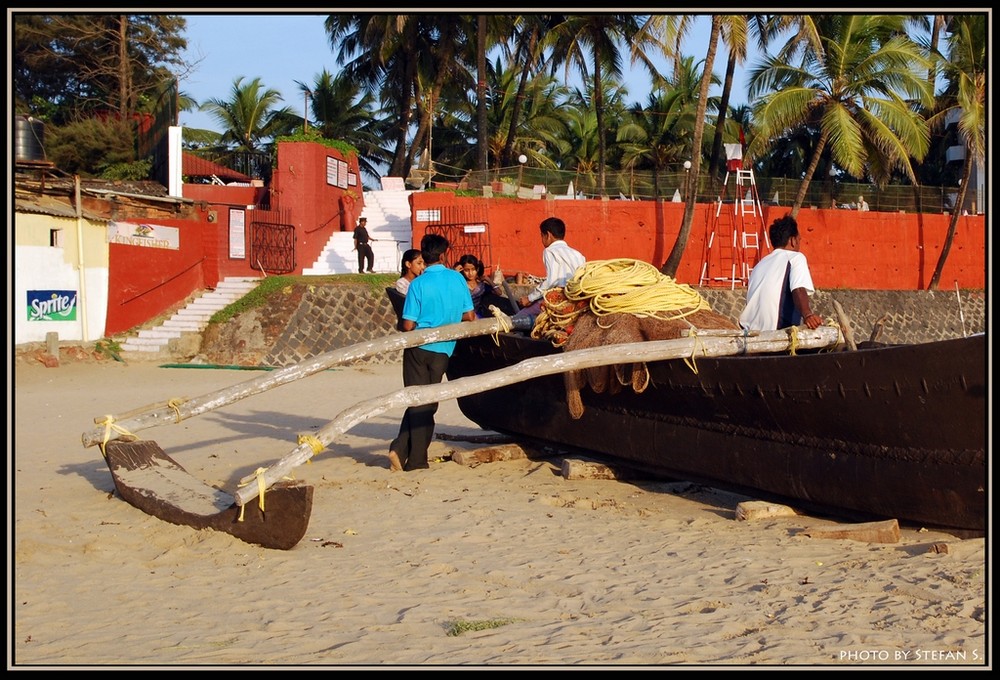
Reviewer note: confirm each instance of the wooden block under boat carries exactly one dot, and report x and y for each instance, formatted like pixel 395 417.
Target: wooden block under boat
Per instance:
pixel 886 531
pixel 152 481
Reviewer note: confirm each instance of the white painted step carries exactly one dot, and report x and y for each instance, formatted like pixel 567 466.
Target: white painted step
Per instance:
pixel 192 318
pixel 388 214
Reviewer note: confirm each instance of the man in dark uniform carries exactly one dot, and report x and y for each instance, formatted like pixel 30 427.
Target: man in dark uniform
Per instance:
pixel 361 244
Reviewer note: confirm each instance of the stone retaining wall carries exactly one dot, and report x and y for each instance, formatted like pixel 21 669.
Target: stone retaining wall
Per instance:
pixel 315 319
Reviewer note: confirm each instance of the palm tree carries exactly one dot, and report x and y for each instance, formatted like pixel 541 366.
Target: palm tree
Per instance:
pixel 538 135
pixel 482 129
pixel 342 111
pixel 734 33
pixel 592 41
pixel 580 150
pixel 965 73
pixel 857 92
pixel 249 117
pixel 383 52
pixel 673 261
pixel 527 31
pixel 658 135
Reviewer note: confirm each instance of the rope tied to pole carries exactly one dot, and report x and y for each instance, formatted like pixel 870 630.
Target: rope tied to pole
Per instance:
pixel 314 443
pixel 505 323
pixel 176 404
pixel 109 426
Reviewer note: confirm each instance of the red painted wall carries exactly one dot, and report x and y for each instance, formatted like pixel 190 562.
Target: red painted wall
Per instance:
pixel 846 249
pixel 145 282
pixel 317 208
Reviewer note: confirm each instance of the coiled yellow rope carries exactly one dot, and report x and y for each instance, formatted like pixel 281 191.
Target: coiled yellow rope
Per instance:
pixel 634 287
pixel 615 286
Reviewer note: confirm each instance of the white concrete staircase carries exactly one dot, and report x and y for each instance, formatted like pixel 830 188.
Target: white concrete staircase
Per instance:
pixel 388 214
pixel 193 318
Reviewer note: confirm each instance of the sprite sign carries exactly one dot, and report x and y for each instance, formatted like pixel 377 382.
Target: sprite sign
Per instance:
pixel 51 305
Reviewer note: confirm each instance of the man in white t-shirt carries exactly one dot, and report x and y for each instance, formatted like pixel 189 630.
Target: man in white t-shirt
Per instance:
pixel 780 284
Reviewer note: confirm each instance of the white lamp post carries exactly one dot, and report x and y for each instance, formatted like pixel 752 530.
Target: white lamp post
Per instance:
pixel 687 179
pixel 522 159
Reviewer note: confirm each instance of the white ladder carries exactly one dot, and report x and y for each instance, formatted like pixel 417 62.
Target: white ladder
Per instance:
pixel 747 224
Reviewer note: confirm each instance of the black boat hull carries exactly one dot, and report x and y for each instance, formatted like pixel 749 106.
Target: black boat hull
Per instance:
pixel 890 432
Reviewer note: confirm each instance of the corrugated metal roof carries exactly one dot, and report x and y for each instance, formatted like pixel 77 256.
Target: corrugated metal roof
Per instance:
pixel 195 166
pixel 47 205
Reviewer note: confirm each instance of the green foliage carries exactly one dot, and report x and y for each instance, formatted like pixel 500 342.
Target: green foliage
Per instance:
pixel 461 626
pixel 134 171
pixel 87 147
pixel 313 135
pixel 67 65
pixel 280 285
pixel 109 348
pixel 255 298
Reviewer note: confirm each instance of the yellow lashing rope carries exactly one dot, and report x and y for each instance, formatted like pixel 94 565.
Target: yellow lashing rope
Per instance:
pixel 690 361
pixel 505 323
pixel 314 443
pixel 175 404
pixel 109 426
pixel 261 488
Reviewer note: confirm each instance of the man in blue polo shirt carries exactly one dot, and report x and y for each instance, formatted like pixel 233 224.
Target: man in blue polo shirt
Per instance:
pixel 438 297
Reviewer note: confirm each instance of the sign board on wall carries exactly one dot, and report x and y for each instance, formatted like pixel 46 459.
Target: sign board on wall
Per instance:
pixel 144 235
pixel 237 234
pixel 52 305
pixel 336 172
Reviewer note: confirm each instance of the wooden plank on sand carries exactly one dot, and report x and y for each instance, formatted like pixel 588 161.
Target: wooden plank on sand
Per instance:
pixel 886 531
pixel 589 469
pixel 491 454
pixel 750 510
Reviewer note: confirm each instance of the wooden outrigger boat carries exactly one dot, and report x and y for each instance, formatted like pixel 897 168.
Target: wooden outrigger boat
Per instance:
pixel 880 432
pixel 895 432
pixel 149 479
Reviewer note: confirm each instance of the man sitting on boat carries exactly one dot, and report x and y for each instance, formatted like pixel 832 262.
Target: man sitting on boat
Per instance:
pixel 780 284
pixel 561 262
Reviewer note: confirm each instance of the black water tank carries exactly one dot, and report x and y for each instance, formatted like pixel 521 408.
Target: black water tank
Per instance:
pixel 29 134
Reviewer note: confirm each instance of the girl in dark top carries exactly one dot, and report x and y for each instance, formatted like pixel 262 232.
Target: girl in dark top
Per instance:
pixel 482 291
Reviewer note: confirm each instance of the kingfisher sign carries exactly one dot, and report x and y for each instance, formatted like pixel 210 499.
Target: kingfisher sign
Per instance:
pixel 51 305
pixel 144 235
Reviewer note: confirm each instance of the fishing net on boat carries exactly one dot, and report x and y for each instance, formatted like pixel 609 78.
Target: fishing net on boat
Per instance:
pixel 610 302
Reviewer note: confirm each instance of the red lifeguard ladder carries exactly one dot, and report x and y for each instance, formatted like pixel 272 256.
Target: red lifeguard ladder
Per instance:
pixel 732 246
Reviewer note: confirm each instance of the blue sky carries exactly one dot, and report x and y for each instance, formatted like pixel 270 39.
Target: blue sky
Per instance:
pixel 282 49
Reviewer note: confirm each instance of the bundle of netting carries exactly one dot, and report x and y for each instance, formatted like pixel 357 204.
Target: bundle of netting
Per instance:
pixel 624 301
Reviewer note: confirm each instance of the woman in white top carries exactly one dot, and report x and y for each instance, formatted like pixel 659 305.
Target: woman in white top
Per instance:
pixel 412 266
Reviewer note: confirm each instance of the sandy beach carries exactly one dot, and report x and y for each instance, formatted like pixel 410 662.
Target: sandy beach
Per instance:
pixel 498 564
